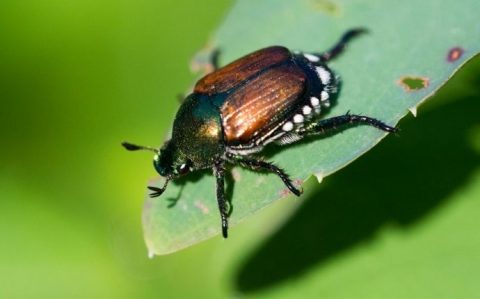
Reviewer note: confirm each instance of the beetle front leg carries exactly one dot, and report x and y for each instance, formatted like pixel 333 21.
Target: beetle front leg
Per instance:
pixel 219 171
pixel 339 122
pixel 254 164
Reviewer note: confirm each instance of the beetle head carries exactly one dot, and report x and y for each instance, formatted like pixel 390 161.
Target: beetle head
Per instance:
pixel 170 162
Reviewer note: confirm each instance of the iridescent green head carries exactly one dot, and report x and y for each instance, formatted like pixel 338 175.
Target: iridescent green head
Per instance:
pixel 195 144
pixel 170 162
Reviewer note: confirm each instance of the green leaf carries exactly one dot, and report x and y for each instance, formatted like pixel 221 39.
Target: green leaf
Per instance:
pixel 412 49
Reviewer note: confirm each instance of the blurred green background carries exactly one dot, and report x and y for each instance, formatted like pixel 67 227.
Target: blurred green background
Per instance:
pixel 79 77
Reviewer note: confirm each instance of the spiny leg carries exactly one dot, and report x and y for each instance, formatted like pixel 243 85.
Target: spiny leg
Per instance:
pixel 329 124
pixel 219 172
pixel 254 164
pixel 338 48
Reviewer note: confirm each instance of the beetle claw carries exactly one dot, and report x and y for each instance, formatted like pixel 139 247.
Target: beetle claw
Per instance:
pixel 156 191
pixel 297 192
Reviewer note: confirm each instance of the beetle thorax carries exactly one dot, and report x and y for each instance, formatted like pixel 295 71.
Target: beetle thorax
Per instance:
pixel 197 131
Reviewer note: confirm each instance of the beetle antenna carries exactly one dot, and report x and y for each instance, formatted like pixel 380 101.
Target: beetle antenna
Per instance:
pixel 134 147
pixel 158 191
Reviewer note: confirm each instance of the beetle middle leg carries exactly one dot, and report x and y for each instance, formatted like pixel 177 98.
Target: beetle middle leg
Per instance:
pixel 219 171
pixel 343 121
pixel 255 164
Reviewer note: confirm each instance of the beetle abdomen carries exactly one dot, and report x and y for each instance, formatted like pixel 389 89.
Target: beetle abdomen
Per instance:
pixel 260 105
pixel 241 69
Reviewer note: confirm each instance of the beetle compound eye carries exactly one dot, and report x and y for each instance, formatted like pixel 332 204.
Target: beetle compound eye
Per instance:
pixel 183 169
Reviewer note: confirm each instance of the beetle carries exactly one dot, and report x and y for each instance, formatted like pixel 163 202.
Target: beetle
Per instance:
pixel 272 95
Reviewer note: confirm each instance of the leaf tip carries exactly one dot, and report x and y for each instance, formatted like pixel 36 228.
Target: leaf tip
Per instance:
pixel 413 110
pixel 151 254
pixel 319 177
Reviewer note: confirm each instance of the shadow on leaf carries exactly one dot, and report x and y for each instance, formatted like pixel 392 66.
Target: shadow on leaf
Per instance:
pixel 399 181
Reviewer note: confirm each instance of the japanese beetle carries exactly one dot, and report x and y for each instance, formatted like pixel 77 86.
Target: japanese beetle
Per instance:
pixel 271 95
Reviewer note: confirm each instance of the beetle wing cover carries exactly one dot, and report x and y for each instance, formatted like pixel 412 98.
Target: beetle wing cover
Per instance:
pixel 240 70
pixel 259 106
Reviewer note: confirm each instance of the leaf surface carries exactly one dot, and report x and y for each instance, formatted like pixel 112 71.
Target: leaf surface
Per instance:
pixel 412 49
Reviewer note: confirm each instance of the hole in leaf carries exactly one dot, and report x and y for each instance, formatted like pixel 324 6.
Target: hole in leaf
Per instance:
pixel 454 54
pixel 411 83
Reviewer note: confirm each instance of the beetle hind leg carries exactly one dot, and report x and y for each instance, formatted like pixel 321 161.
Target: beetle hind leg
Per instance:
pixel 342 122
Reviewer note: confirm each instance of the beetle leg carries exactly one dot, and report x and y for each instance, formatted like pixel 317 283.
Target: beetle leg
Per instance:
pixel 219 172
pixel 338 48
pixel 214 58
pixel 335 123
pixel 255 164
